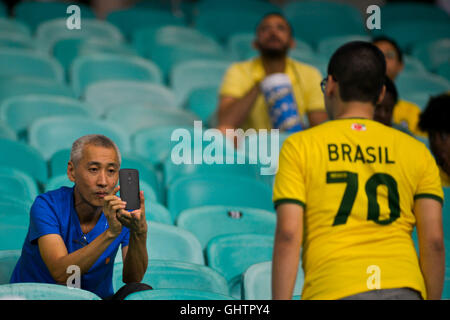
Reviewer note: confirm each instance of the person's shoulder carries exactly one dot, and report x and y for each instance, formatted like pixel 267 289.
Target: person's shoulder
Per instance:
pixel 404 104
pixel 55 197
pixel 244 65
pixel 304 67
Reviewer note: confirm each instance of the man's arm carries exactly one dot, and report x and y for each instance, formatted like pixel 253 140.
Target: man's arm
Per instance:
pixel 135 257
pixel 232 112
pixel 286 251
pixel 428 214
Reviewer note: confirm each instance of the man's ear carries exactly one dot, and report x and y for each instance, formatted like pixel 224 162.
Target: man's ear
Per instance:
pixel 331 86
pixel 71 171
pixel 381 96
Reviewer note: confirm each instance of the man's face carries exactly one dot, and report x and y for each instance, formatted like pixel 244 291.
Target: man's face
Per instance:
pixel 393 64
pixel 440 146
pixel 96 174
pixel 273 37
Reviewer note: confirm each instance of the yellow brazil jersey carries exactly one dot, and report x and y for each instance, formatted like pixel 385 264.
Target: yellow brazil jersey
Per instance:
pixel 357 180
pixel 406 114
pixel 305 79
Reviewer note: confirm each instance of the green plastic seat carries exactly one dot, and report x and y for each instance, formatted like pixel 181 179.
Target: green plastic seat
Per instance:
pixel 195 74
pixel 446 289
pixel 21 111
pixel 433 54
pixel 87 70
pixel 8 261
pixel 176 294
pixel 409 11
pixel 3 10
pixel 101 45
pixel 29 85
pixel 166 274
pixel 257 282
pixel 419 98
pixel 25 158
pixel 326 47
pixel 410 32
pixel 104 95
pixel 154 143
pixel 444 70
pixel 17 183
pixel 313 21
pixel 130 20
pixel 52 134
pixel 222 190
pixel 210 221
pixel 232 254
pixel 6 132
pixel 261 7
pixel 157 212
pixel 409 83
pixel 446 213
pixel 168 242
pixel 203 102
pixel 23 62
pixel 412 64
pixel 12 236
pixel 13 26
pixel 149 116
pixel 34 13
pixel 44 291
pixel 15 41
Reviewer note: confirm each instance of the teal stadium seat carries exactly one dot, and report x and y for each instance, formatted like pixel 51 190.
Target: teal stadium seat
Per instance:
pixel 446 214
pixel 313 21
pixel 15 41
pixel 446 289
pixel 257 282
pixel 408 11
pixel 21 111
pixel 14 216
pixel 132 19
pixel 261 7
pixel 326 47
pixel 101 45
pixel 412 64
pixel 52 134
pixel 8 261
pixel 444 70
pixel 203 102
pixel 43 291
pixel 34 13
pixel 232 254
pixel 433 54
pixel 168 242
pixel 165 274
pixel 51 31
pixel 420 99
pixel 87 70
pixel 23 62
pixel 210 221
pixel 157 212
pixel 408 33
pixel 6 132
pixel 149 116
pixel 25 158
pixel 26 85
pixel 218 190
pixel 104 95
pixel 154 143
pixel 412 83
pixel 16 183
pixel 195 74
pixel 176 294
pixel 3 10
pixel 13 26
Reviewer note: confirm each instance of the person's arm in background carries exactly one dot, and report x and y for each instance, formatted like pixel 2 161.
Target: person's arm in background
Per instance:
pixel 316 117
pixel 135 256
pixel 286 251
pixel 428 213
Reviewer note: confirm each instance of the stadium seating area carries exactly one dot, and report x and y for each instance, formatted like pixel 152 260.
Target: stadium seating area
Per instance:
pixel 145 71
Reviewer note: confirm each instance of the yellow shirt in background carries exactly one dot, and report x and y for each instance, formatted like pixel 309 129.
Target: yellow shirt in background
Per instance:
pixel 305 79
pixel 357 180
pixel 406 114
pixel 445 178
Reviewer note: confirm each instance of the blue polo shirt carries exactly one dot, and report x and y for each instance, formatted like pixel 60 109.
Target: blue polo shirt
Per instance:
pixel 54 213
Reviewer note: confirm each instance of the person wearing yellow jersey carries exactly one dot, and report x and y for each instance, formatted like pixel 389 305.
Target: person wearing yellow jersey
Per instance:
pixel 349 192
pixel 435 120
pixel 242 104
pixel 406 114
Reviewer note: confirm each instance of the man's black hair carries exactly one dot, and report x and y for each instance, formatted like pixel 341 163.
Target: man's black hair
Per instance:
pixel 436 116
pixel 359 68
pixel 393 43
pixel 278 14
pixel 391 90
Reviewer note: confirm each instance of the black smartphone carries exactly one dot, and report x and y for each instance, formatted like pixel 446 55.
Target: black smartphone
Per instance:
pixel 129 188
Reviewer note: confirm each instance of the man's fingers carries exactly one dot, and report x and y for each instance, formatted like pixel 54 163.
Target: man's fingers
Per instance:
pixel 115 190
